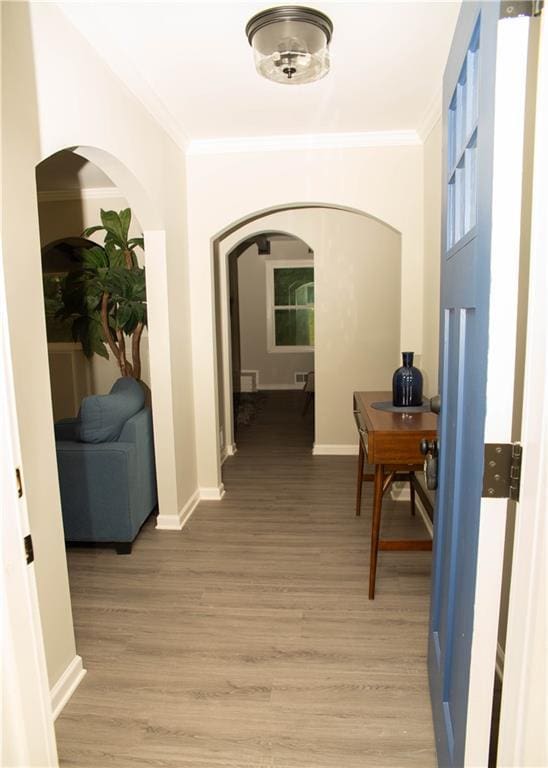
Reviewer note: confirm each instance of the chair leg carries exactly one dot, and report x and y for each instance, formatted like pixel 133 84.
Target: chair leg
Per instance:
pixel 124 548
pixel 361 461
pixel 375 528
pixel 412 492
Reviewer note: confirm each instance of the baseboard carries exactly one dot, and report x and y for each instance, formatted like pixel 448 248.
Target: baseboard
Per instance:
pixel 499 664
pixel 66 685
pixel 228 450
pixel 176 522
pixel 399 491
pixel 425 516
pixel 279 386
pixel 212 494
pixel 334 450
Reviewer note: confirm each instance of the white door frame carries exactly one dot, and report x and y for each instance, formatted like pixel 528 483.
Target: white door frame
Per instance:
pixel 28 737
pixel 523 738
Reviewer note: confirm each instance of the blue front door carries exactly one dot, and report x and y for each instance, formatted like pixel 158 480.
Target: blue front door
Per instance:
pixel 468 111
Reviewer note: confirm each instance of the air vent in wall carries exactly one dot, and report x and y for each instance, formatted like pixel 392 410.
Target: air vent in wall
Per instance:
pixel 249 381
pixel 300 377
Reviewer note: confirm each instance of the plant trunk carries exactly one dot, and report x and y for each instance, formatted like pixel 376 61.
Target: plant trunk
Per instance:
pixel 106 330
pixel 136 350
pixel 125 366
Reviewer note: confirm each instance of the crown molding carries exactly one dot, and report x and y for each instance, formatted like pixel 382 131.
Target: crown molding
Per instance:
pixel 304 141
pixel 56 195
pixel 130 78
pixel 431 117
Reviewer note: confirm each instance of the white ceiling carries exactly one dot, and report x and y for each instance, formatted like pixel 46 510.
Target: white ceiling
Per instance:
pixel 191 64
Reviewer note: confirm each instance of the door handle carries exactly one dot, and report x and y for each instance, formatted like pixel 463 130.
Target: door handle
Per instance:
pixel 430 450
pixel 435 403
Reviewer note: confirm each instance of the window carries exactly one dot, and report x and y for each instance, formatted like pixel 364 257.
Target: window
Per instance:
pixel 462 143
pixel 290 306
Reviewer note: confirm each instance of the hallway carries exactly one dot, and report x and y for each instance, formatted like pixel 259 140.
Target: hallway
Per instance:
pixel 247 640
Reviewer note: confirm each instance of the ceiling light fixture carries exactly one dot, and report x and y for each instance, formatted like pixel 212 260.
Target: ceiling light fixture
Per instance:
pixel 290 44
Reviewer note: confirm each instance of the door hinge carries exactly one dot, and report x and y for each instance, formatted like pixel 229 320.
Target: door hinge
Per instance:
pixel 511 10
pixel 502 471
pixel 29 549
pixel 18 482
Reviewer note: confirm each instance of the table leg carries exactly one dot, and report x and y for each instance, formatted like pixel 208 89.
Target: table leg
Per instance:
pixel 375 527
pixel 361 460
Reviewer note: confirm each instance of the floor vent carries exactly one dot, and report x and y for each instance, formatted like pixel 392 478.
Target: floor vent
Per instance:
pixel 249 381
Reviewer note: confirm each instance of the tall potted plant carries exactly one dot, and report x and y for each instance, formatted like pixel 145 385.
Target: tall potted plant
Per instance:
pixel 106 299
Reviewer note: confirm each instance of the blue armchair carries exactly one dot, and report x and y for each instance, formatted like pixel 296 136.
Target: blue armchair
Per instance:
pixel 107 474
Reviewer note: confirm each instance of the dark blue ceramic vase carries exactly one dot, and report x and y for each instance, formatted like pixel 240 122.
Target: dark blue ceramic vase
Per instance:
pixel 407 383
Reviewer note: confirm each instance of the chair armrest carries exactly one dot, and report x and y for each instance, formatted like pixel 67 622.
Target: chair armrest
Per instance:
pixel 98 490
pixel 65 429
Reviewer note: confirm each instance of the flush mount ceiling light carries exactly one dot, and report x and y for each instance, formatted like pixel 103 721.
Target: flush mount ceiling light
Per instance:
pixel 290 44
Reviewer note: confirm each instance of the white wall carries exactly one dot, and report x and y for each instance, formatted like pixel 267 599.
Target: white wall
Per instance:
pixel 384 182
pixel 57 93
pixel 276 370
pixel 432 259
pixel 357 275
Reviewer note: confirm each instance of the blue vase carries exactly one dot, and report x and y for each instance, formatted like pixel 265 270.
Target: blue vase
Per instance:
pixel 407 383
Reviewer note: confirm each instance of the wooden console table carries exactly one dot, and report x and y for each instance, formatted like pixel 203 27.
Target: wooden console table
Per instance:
pixel 391 442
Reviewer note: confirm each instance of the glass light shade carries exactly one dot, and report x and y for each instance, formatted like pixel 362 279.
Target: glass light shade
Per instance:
pixel 290 44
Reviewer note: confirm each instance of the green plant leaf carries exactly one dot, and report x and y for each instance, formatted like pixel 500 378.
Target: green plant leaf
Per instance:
pixel 125 221
pixel 136 242
pixel 115 254
pixel 95 257
pixel 90 230
pixel 113 225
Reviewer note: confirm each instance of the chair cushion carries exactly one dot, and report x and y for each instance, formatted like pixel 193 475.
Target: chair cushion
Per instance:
pixel 102 417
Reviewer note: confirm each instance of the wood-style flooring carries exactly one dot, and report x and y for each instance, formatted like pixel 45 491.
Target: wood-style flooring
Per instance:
pixel 247 640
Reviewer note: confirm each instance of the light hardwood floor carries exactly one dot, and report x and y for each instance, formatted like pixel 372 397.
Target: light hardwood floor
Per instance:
pixel 247 639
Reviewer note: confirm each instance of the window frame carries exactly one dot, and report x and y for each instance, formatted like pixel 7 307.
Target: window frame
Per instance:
pixel 271 265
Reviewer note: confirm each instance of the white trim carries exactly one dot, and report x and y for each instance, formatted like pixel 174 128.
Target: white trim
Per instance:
pixel 334 450
pixel 431 117
pixel 509 126
pixel 522 734
pixel 264 387
pixel 93 193
pixel 303 141
pixel 227 452
pixel 177 522
pixel 271 346
pixel 66 685
pixel 212 494
pixel 28 736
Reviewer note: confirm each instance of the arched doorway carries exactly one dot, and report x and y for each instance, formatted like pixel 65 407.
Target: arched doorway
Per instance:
pixel 358 320
pixel 51 571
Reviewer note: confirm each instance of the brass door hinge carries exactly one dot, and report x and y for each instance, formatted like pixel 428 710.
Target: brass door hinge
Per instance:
pixel 18 482
pixel 502 471
pixel 29 549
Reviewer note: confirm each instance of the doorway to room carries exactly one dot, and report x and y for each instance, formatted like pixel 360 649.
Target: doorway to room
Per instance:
pixel 356 300
pixel 271 315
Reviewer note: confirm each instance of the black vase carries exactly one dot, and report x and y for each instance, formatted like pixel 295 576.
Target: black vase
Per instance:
pixel 407 383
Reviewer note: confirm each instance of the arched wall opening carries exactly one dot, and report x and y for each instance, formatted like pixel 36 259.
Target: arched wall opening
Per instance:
pixel 46 520
pixel 358 311
pixel 260 347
